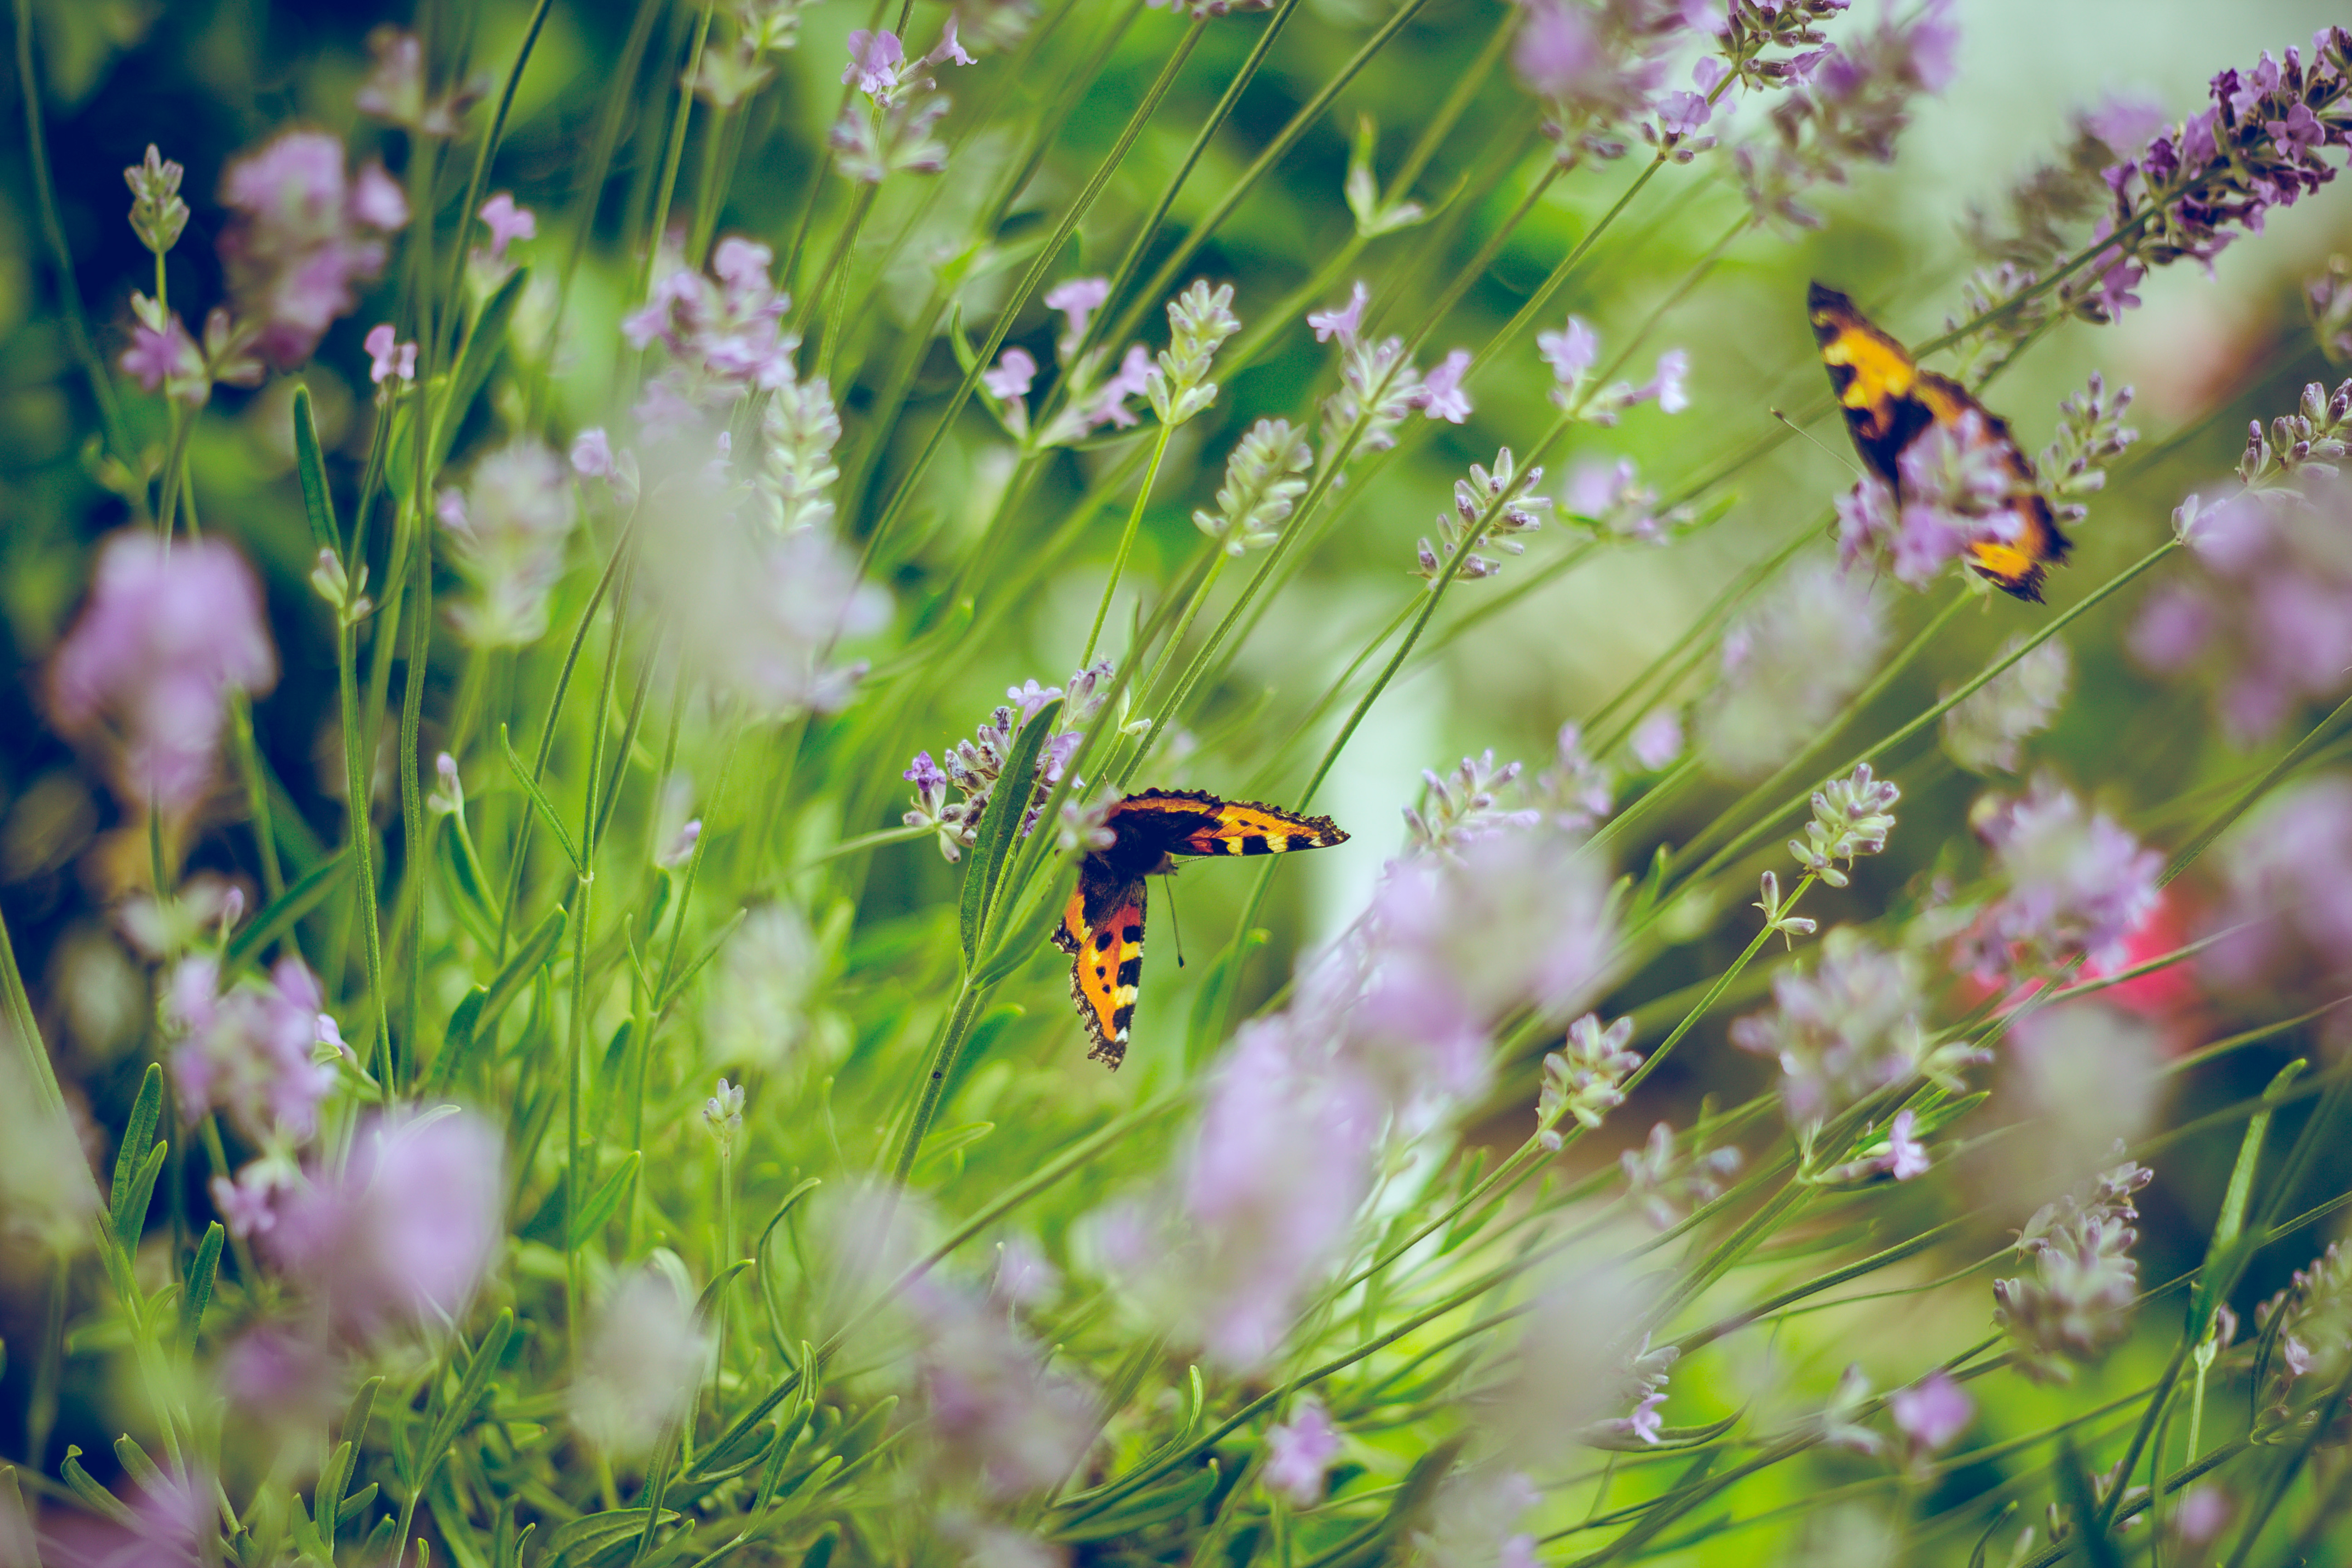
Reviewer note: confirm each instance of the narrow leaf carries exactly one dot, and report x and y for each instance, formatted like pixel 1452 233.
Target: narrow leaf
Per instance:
pixel 197 1293
pixel 137 1138
pixel 1000 826
pixel 539 803
pixel 481 1020
pixel 604 1200
pixel 317 503
pixel 280 915
pixel 485 341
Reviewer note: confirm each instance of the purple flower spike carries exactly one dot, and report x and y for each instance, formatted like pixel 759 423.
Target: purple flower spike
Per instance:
pixel 1343 323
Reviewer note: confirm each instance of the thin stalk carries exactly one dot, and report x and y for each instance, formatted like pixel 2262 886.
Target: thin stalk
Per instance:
pixel 1126 543
pixel 483 153
pixel 674 149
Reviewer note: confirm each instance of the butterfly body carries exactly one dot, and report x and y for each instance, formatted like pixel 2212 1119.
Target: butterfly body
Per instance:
pixel 1102 927
pixel 1889 403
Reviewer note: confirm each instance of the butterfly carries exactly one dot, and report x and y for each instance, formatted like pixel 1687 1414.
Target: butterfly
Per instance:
pixel 1102 929
pixel 1889 401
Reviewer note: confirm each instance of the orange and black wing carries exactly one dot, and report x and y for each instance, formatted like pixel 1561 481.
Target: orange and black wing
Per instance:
pixel 1102 929
pixel 1195 822
pixel 1873 377
pixel 1888 401
pixel 2016 564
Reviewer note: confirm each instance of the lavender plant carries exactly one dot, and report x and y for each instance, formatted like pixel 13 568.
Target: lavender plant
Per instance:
pixel 531 834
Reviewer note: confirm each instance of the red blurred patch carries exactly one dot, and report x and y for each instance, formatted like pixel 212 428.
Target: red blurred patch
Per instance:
pixel 2168 996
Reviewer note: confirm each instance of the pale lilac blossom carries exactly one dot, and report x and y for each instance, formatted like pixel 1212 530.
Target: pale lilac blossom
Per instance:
pixel 638 1372
pixel 1076 298
pixel 507 223
pixel 1441 396
pixel 166 358
pixel 1298 1454
pixel 303 235
pixel 1343 323
pixel 249 1052
pixel 1931 1413
pixel 507 532
pixel 1665 1186
pixel 1011 376
pixel 405 1233
pixel 389 359
pixel 1571 351
pixel 2077 1301
pixel 168 635
pixel 1984 732
pixel 2077 883
pixel 1789 662
pixel 1657 739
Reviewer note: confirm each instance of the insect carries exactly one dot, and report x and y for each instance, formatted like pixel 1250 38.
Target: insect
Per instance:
pixel 1889 401
pixel 1102 929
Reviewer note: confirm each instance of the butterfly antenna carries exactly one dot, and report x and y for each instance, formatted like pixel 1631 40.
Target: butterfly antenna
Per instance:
pixel 1809 436
pixel 1175 926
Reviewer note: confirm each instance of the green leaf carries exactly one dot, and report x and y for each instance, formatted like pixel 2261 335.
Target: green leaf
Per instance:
pixel 317 503
pixel 138 1466
pixel 476 1383
pixel 466 895
pixel 485 341
pixel 943 1145
pixel 93 1495
pixel 820 1551
pixel 1984 1542
pixel 326 1497
pixel 475 1020
pixel 1000 826
pixel 1147 1507
pixel 129 1204
pixel 197 1293
pixel 541 803
pixel 604 1200
pixel 282 912
pixel 2225 1255
pixel 704 1303
pixel 356 1505
pixel 581 1540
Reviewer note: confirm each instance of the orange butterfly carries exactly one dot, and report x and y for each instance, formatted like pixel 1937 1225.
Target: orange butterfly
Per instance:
pixel 1888 401
pixel 1103 927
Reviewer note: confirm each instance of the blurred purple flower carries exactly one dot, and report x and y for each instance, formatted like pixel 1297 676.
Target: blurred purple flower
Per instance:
pixel 2285 923
pixel 168 358
pixel 1441 396
pixel 1077 298
pixel 1570 352
pixel 1657 739
pixel 2271 614
pixel 644 1359
pixel 2077 1302
pixel 1666 1187
pixel 1790 661
pixel 170 1525
pixel 169 632
pixel 1343 323
pixel 1298 1454
pixel 507 223
pixel 875 61
pixel 1932 1412
pixel 1012 376
pixel 999 1412
pixel 302 236
pixel 388 358
pixel 407 1231
pixel 2078 883
pixel 724 333
pixel 249 1052
pixel 506 536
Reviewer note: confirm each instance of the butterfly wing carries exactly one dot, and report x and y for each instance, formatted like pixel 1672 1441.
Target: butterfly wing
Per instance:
pixel 1102 929
pixel 1195 822
pixel 2015 566
pixel 1873 377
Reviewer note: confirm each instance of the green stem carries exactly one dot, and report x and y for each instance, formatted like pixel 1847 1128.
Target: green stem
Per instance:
pixel 1126 543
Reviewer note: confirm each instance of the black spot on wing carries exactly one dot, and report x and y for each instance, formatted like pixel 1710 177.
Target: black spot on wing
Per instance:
pixel 1131 972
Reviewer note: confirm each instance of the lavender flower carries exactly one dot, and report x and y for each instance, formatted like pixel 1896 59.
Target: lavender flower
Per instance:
pixel 2270 618
pixel 1789 663
pixel 1461 807
pixel 388 358
pixel 1657 741
pixel 1281 1161
pixel 1263 483
pixel 1955 491
pixel 507 533
pixel 1378 384
pixel 1298 1454
pixel 2285 924
pixel 802 427
pixel 975 767
pixel 1581 1079
pixel 1595 68
pixel 644 1358
pixel 158 215
pixel 303 235
pixel 2091 436
pixel 395 90
pixel 724 334
pixel 757 614
pixel 1666 1187
pixel 1077 300
pixel 1852 816
pixel 148 669
pixel 1441 396
pixel 2083 1078
pixel 250 1052
pixel 507 223
pixel 1199 320
pixel 1571 354
pixel 1578 793
pixel 1610 502
pixel 2076 1304
pixel 1489 509
pixel 1931 1413
pixel 163 356
pixel 1000 1417
pixel 1984 731
pixel 2077 883
pixel 2314 1319
pixel 1850 100
pixel 1853 1025
pixel 1899 1154
pixel 407 1230
pixel 887 128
